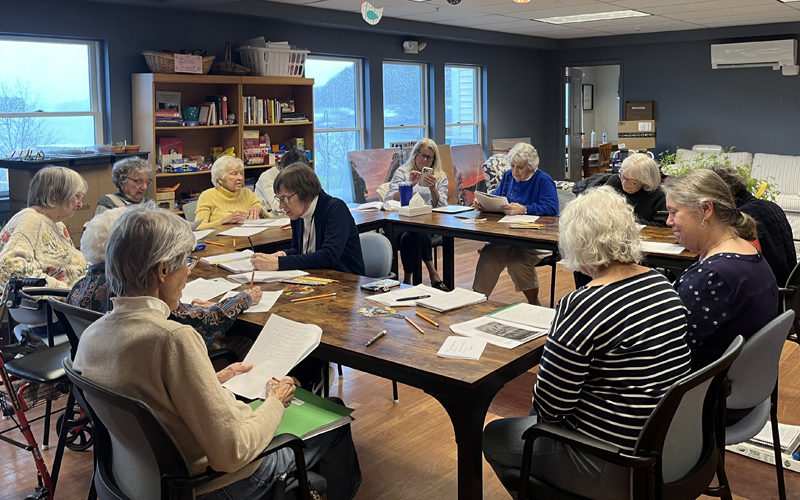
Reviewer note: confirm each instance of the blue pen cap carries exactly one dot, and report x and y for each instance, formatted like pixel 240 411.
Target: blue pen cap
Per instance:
pixel 200 246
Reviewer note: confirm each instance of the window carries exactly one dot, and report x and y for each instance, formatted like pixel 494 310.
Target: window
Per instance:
pixel 405 116
pixel 338 120
pixel 50 94
pixel 462 105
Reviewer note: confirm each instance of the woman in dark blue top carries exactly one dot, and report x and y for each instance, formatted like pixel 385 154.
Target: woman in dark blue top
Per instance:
pixel 730 290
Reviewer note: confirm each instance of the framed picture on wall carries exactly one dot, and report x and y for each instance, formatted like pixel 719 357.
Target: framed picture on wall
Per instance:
pixel 588 95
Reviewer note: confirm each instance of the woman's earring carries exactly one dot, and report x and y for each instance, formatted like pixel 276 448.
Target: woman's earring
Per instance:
pixel 703 224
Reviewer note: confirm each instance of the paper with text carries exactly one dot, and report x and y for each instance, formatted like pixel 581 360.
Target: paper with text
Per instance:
pixel 390 298
pixel 268 300
pixel 281 344
pixel 497 331
pixel 458 297
pixel 490 202
pixel 204 289
pixel 526 314
pixel 461 348
pixel 267 276
pixel 231 256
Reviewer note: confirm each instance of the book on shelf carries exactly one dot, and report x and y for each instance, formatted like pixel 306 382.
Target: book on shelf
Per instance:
pixel 310 415
pixel 167 113
pixel 168 100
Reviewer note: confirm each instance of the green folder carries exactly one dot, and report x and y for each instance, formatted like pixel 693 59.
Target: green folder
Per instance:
pixel 310 415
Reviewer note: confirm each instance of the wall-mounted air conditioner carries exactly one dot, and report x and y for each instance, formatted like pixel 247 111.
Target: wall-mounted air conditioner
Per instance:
pixel 775 54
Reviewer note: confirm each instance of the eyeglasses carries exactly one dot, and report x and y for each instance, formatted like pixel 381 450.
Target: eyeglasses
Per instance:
pixel 426 157
pixel 140 182
pixel 191 262
pixel 284 199
pixel 627 180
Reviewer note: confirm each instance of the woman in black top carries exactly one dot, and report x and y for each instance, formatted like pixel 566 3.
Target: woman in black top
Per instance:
pixel 639 181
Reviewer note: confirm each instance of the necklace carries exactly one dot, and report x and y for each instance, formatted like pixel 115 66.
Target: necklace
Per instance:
pixel 718 244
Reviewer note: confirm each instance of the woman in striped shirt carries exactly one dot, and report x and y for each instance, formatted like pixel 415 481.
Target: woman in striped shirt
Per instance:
pixel 616 345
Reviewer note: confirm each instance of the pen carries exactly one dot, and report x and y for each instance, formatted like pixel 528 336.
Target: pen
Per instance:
pixel 251 244
pixel 416 326
pixel 286 226
pixel 375 338
pixel 315 297
pixel 253 278
pixel 413 298
pixel 425 318
pixel 212 243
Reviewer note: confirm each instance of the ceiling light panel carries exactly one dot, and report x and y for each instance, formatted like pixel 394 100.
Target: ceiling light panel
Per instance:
pixel 597 16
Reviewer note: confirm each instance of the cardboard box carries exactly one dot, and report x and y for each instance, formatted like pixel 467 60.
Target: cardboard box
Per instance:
pixel 637 134
pixel 639 110
pixel 165 200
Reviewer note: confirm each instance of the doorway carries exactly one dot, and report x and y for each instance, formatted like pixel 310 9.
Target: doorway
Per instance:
pixel 592 104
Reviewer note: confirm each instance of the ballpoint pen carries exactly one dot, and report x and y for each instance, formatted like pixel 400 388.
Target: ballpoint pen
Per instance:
pixel 413 298
pixel 251 244
pixel 375 338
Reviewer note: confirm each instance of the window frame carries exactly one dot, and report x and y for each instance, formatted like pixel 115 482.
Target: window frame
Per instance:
pixel 477 99
pixel 424 105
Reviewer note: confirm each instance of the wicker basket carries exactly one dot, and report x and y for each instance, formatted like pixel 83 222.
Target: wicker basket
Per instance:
pixel 164 62
pixel 274 62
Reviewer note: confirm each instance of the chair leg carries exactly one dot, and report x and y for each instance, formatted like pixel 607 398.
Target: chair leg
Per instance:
pixel 773 416
pixel 553 285
pixel 395 396
pixel 339 369
pixel 62 439
pixel 48 407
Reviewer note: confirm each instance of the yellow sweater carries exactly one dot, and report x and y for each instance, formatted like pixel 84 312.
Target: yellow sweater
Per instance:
pixel 217 202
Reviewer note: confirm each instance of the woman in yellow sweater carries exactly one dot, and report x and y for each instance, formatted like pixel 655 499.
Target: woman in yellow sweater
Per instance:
pixel 228 202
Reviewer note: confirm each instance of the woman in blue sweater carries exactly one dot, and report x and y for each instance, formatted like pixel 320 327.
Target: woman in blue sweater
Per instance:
pixel 528 191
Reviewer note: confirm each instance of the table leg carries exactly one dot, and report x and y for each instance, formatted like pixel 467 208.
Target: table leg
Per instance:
pixel 448 258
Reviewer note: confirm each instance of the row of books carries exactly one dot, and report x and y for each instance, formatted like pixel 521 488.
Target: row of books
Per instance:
pixel 266 111
pixel 212 112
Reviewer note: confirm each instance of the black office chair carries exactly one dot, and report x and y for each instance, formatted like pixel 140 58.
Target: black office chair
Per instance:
pixel 675 456
pixel 790 300
pixel 137 457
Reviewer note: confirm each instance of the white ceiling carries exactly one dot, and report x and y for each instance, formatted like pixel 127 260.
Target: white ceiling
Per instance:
pixel 509 17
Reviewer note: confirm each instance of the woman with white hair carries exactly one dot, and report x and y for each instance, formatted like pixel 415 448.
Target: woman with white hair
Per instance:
pixel 136 351
pixel 210 320
pixel 35 242
pixel 432 187
pixel 228 202
pixel 132 176
pixel 639 181
pixel 613 350
pixel 528 191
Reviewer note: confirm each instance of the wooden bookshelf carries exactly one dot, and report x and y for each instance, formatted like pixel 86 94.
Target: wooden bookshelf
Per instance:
pixel 200 139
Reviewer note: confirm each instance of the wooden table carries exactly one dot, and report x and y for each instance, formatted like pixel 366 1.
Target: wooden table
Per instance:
pixel 465 388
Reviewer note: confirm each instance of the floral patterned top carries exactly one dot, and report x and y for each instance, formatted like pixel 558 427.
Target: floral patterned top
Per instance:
pixel 32 245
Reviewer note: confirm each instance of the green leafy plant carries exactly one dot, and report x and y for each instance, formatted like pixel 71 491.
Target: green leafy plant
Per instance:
pixel 670 166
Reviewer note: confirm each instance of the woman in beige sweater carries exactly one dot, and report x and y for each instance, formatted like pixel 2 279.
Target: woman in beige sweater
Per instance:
pixel 35 242
pixel 135 350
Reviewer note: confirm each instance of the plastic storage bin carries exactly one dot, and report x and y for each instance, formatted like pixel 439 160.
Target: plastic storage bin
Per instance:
pixel 274 62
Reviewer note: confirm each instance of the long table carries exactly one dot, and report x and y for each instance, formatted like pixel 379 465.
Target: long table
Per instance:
pixel 465 388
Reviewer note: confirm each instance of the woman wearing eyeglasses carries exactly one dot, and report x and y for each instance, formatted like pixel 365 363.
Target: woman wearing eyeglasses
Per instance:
pixel 640 182
pixel 132 176
pixel 228 202
pixel 432 187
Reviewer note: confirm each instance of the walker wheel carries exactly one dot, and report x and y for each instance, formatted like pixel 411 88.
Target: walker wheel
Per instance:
pixel 79 434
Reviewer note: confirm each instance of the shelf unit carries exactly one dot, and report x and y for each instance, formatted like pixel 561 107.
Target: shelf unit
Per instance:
pixel 199 140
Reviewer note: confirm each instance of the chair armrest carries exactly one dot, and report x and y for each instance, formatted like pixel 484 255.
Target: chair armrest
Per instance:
pixel 786 291
pixel 223 353
pixel 36 291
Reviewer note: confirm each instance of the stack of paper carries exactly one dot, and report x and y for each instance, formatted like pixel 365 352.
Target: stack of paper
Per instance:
pixel 237 262
pixel 372 206
pixel 282 221
pixel 266 276
pixel 281 344
pixel 453 209
pixel 410 211
pixel 392 298
pixel 526 314
pixel 664 248
pixel 459 297
pixel 789 437
pixel 461 348
pixel 518 219
pixel 509 327
pixel 490 202
pixel 204 289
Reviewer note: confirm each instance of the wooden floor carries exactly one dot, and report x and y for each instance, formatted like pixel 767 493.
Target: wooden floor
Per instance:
pixel 407 450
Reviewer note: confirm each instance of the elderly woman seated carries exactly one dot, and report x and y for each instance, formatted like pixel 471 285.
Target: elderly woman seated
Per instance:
pixel 264 190
pixel 136 351
pixel 132 176
pixel 639 181
pixel 324 233
pixel 228 202
pixel 730 290
pixel 211 320
pixel 528 191
pixel 35 242
pixel 614 349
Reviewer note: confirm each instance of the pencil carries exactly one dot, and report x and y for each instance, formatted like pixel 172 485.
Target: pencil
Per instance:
pixel 315 297
pixel 212 243
pixel 234 242
pixel 428 319
pixel 416 326
pixel 253 277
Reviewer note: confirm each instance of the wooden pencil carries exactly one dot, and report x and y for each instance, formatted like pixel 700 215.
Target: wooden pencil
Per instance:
pixel 315 297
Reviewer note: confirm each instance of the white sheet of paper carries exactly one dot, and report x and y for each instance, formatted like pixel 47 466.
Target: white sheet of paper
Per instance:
pixel 490 202
pixel 369 206
pixel 516 219
pixel 458 297
pixel 390 298
pixel 214 259
pixel 256 223
pixel 664 248
pixel 456 347
pixel 497 331
pixel 281 344
pixel 526 314
pixel 267 276
pixel 204 289
pixel 282 221
pixel 268 300
pixel 243 231
pixel 199 235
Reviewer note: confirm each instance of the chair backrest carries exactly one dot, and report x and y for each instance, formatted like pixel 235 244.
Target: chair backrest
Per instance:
pixel 493 170
pixel 139 451
pixel 604 155
pixel 755 372
pixel 790 296
pixel 189 210
pixel 564 197
pixel 683 429
pixel 74 319
pixel 377 251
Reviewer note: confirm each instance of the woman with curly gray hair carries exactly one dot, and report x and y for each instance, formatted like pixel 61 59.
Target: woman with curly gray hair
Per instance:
pixel 613 350
pixel 132 176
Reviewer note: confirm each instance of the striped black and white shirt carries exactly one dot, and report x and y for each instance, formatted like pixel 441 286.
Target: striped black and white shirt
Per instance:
pixel 611 354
